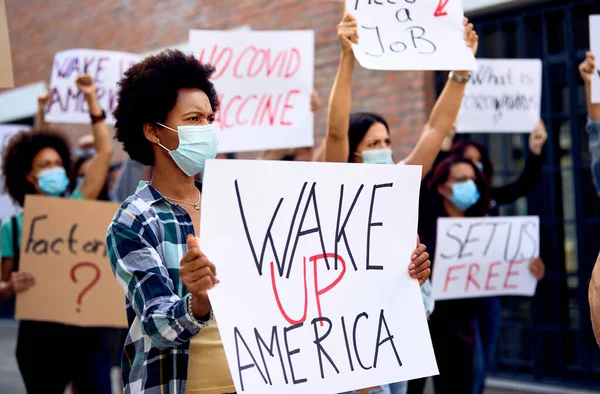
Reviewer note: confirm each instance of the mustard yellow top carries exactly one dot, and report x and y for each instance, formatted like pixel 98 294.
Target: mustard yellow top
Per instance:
pixel 208 371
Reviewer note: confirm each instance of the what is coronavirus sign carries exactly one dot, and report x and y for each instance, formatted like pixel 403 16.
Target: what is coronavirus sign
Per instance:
pixel 264 81
pixel 315 294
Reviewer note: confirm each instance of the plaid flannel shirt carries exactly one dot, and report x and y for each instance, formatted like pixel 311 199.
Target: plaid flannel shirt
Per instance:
pixel 593 129
pixel 146 241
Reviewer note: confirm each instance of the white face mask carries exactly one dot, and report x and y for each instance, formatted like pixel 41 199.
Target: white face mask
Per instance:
pixel 196 145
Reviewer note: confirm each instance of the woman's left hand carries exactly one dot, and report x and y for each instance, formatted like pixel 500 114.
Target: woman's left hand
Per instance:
pixel 419 267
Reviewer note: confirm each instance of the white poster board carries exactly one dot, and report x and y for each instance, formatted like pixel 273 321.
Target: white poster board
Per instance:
pixel 481 257
pixel 67 104
pixel 411 35
pixel 7 206
pixel 267 226
pixel 264 80
pixel 503 95
pixel 595 49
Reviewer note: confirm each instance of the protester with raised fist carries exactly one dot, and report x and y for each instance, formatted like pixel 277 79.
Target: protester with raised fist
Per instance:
pixel 50 355
pixel 365 137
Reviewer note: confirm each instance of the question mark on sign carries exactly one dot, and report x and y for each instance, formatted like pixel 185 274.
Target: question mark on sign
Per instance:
pixel 90 285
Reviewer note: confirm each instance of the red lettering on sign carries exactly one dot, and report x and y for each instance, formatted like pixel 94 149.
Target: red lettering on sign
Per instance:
pixel 510 273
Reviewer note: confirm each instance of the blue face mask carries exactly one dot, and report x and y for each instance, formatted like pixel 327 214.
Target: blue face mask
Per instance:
pixel 196 145
pixel 79 153
pixel 53 181
pixel 464 195
pixel 377 156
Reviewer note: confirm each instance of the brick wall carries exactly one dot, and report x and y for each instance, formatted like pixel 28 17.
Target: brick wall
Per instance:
pixel 39 28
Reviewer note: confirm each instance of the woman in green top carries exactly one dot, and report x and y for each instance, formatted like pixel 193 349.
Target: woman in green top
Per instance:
pixel 50 355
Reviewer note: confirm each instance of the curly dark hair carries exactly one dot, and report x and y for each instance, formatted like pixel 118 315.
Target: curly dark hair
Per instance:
pixel 441 175
pixel 18 157
pixel 148 92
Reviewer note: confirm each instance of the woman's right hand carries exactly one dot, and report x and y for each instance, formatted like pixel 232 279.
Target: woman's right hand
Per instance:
pixel 21 281
pixel 198 275
pixel 43 100
pixel 348 33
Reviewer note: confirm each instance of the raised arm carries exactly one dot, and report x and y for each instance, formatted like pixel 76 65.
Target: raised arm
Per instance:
pixel 336 143
pixel 444 113
pixel 587 68
pixel 95 177
pixel 532 172
pixel 40 121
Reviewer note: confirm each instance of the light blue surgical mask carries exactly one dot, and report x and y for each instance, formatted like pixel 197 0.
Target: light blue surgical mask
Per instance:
pixel 53 181
pixel 464 195
pixel 196 145
pixel 79 182
pixel 377 156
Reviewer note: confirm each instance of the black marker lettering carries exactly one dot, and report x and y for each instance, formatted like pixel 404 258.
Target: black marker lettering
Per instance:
pixel 312 198
pixel 389 337
pixel 30 240
pixel 376 224
pixel 366 316
pixel 291 353
pixel 236 335
pixel 270 349
pixel 341 232
pixel 319 339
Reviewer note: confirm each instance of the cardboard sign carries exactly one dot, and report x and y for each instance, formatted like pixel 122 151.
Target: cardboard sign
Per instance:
pixel 595 48
pixel 411 35
pixel 63 246
pixel 6 71
pixel 67 104
pixel 481 257
pixel 503 95
pixel 315 294
pixel 264 80
pixel 7 205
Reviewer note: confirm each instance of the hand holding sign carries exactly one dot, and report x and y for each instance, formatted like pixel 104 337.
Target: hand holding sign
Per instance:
pixel 538 138
pixel 587 67
pixel 21 281
pixel 198 274
pixel 471 36
pixel 419 267
pixel 348 33
pixel 537 268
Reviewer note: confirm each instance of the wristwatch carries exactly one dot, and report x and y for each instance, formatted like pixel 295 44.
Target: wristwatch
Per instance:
pixel 95 119
pixel 459 78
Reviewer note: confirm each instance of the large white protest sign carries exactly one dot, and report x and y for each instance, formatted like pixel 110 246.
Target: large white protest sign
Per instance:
pixel 503 95
pixel 411 35
pixel 595 49
pixel 7 205
pixel 67 104
pixel 264 80
pixel 293 317
pixel 480 257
